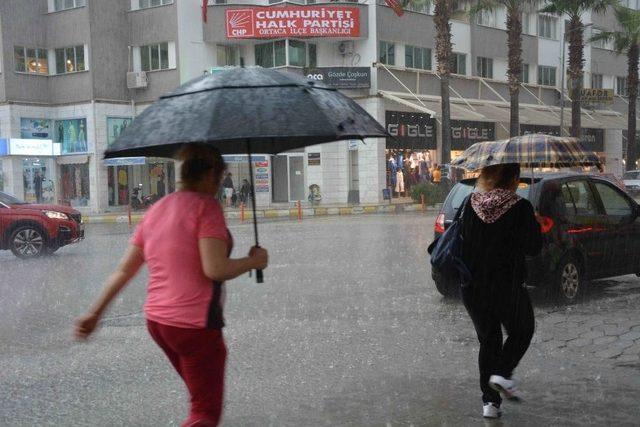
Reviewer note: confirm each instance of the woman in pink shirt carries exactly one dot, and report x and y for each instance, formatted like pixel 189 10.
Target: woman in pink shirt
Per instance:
pixel 185 242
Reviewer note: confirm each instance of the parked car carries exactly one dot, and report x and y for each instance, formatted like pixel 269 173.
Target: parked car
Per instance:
pixel 592 231
pixel 32 230
pixel 631 181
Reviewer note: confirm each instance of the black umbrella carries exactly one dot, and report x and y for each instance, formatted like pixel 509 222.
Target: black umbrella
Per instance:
pixel 253 110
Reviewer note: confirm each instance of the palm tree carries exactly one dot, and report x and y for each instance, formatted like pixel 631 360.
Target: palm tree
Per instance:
pixel 514 8
pixel 574 10
pixel 627 41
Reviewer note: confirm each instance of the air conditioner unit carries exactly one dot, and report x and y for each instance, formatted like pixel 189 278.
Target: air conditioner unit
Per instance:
pixel 345 48
pixel 136 79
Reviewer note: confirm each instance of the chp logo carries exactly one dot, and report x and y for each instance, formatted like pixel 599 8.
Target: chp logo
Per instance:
pixel 240 23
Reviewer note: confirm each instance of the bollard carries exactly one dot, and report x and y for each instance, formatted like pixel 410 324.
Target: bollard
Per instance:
pixel 241 211
pixel 422 202
pixel 129 215
pixel 299 211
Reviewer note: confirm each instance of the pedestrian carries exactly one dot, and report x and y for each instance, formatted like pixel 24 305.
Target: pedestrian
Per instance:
pixel 37 186
pixel 185 294
pixel 245 192
pixel 227 184
pixel 437 174
pixel 499 229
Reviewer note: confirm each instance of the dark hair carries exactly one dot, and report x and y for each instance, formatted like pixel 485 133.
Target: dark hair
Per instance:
pixel 500 176
pixel 197 161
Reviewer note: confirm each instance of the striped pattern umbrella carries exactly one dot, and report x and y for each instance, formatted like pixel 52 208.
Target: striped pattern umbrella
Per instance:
pixel 533 151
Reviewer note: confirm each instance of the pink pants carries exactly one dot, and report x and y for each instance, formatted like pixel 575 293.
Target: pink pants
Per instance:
pixel 199 356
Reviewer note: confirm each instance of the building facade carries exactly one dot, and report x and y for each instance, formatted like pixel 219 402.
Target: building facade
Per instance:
pixel 75 73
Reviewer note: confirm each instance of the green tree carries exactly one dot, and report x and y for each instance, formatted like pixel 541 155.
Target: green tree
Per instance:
pixel 514 8
pixel 574 9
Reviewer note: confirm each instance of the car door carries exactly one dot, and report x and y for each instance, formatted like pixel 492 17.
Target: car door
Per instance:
pixel 624 226
pixel 585 228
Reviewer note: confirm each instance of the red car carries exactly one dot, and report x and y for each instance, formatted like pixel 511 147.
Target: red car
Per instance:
pixel 32 230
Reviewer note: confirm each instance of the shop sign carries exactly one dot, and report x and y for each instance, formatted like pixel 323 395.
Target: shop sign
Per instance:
pixel 410 130
pixel 72 134
pixel 262 170
pixel 36 129
pixel 464 133
pixel 30 147
pixel 125 161
pixel 341 77
pixel 262 164
pixel 592 138
pixel 115 127
pixel 243 158
pixel 293 21
pixel 596 96
pixel 313 159
pixel 262 188
pixel 262 176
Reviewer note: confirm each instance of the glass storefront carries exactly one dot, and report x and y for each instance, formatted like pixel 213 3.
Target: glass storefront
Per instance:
pixel 150 177
pixel 38 184
pixel 74 184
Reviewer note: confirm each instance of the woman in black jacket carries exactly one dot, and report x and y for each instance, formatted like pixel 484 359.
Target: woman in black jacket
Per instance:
pixel 499 229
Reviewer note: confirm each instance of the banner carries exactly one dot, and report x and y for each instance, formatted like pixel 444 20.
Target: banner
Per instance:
pixel 72 134
pixel 410 130
pixel 115 126
pixel 36 129
pixel 341 77
pixel 293 21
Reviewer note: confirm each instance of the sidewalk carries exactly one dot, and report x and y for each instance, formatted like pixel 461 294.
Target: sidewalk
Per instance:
pixel 284 212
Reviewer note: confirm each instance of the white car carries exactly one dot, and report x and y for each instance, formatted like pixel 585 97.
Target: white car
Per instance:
pixel 631 181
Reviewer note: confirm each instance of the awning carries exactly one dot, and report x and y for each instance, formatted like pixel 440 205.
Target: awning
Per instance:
pixel 72 160
pixel 125 161
pixel 417 106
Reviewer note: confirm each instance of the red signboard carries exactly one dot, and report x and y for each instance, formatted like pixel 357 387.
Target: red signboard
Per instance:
pixel 293 21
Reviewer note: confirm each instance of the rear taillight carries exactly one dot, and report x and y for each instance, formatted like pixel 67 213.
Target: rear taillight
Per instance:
pixel 439 227
pixel 546 224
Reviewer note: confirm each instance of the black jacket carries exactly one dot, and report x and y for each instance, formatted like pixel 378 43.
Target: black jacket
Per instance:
pixel 495 252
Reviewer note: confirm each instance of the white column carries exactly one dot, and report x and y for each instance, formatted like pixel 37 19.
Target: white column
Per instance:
pixel 372 166
pixel 613 151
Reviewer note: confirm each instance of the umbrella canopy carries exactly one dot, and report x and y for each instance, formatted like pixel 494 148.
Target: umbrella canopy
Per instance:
pixel 535 150
pixel 274 111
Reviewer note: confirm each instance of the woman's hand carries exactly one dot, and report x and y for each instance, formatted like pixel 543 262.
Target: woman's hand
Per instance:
pixel 85 325
pixel 260 257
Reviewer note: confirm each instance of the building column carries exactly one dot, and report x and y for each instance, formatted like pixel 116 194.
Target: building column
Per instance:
pixel 613 151
pixel 372 160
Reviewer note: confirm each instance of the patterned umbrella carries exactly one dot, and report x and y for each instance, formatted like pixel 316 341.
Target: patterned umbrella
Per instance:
pixel 532 151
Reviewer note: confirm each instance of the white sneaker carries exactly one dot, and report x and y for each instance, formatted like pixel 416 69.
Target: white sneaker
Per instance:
pixel 491 410
pixel 508 388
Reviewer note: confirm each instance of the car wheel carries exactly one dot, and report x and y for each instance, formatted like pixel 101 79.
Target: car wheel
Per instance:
pixel 28 242
pixel 569 280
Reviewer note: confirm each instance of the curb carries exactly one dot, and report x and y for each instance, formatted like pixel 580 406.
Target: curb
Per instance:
pixel 284 213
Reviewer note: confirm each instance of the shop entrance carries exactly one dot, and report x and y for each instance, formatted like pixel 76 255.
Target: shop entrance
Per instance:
pixel 288 178
pixel 407 168
pixel 148 177
pixel 37 181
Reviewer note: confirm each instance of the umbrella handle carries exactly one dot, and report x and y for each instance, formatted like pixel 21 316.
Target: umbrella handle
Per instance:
pixel 259 276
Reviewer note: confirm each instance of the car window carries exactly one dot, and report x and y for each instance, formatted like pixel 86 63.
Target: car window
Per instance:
pixel 631 175
pixel 579 199
pixel 615 204
pixel 555 201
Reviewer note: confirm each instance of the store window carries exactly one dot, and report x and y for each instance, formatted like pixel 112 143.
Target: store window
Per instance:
pixel 74 184
pixel 547 27
pixel 72 135
pixel 621 86
pixel 417 57
pixel 70 60
pixel 272 54
pixel 144 4
pixel 484 67
pixel 31 60
pixel 387 53
pixel 145 180
pixel 546 75
pixel 59 5
pixel 154 57
pixel 459 63
pixel 228 55
pixel 115 126
pixel 524 77
pixel 37 180
pixel 596 81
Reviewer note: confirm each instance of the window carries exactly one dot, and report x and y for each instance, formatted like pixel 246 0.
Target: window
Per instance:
pixel 31 60
pixel 417 57
pixel 272 54
pixel 144 4
pixel 154 57
pixel 387 53
pixel 484 67
pixel 596 81
pixel 614 203
pixel 599 43
pixel 546 75
pixel 70 60
pixel 526 23
pixel 524 77
pixel 486 18
pixel 547 26
pixel 621 86
pixel 579 199
pixel 59 5
pixel 459 63
pixel 302 54
pixel 228 55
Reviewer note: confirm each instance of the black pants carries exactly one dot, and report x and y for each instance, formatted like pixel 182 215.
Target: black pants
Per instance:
pixel 490 309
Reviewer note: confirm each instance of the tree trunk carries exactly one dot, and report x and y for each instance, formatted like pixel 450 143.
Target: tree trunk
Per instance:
pixel 576 63
pixel 633 54
pixel 442 18
pixel 514 73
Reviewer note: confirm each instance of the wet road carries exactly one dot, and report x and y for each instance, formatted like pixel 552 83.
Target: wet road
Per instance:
pixel 347 330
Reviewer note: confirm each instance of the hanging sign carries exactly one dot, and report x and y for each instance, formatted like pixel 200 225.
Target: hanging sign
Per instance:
pixel 464 133
pixel 341 77
pixel 596 96
pixel 293 21
pixel 410 130
pixel 313 159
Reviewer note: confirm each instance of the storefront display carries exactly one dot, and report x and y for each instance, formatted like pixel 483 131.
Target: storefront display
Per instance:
pixel 115 127
pixel 72 134
pixel 36 128
pixel 139 177
pixel 74 184
pixel 406 168
pixel 37 179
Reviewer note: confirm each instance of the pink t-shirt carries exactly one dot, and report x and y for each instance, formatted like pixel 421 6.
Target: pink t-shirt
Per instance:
pixel 179 294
